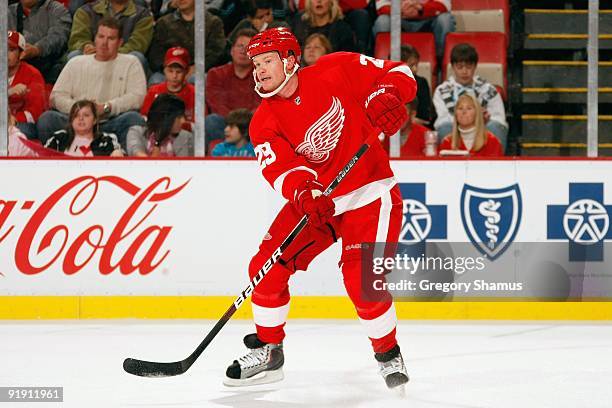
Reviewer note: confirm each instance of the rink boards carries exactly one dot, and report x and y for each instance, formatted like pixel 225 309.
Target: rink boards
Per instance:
pixel 172 239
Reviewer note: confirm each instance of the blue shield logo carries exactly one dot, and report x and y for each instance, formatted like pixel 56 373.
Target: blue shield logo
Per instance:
pixel 491 217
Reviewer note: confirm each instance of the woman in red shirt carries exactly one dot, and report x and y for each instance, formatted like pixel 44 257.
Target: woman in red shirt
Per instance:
pixel 469 133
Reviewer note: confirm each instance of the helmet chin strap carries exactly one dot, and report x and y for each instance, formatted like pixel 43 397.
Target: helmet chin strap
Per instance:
pixel 259 85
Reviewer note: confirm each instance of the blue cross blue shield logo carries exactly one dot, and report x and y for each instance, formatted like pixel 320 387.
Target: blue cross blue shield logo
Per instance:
pixel 584 222
pixel 491 217
pixel 421 221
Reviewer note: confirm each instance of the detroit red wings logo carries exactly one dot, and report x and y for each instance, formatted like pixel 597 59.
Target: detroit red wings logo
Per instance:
pixel 322 137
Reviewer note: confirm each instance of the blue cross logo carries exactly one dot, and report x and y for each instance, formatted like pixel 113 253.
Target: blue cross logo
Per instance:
pixel 421 221
pixel 584 222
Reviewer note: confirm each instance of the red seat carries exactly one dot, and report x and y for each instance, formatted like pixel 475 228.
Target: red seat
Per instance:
pixel 492 56
pixel 423 42
pixel 484 5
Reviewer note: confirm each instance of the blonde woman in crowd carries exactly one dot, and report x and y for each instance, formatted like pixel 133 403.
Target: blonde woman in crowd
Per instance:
pixel 469 132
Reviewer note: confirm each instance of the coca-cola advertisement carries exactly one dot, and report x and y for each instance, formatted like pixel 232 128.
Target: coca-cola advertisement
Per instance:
pixel 117 228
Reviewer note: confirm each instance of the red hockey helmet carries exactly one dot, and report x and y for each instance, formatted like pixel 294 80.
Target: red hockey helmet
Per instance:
pixel 279 39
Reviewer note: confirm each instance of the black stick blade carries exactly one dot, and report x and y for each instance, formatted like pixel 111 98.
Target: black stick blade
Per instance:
pixel 152 369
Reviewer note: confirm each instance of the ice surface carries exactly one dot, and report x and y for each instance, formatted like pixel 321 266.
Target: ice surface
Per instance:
pixel 328 364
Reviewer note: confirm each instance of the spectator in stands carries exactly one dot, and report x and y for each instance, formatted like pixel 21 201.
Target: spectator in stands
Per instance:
pixel 176 66
pixel 116 82
pixel 177 30
pixel 315 46
pixel 259 18
pixel 231 86
pixel 74 5
pixel 82 137
pixel 324 16
pixel 164 134
pixel 45 24
pixel 412 134
pixel 469 132
pixel 136 28
pixel 464 60
pixel 16 140
pixel 236 142
pixel 411 57
pixel 26 87
pixel 417 16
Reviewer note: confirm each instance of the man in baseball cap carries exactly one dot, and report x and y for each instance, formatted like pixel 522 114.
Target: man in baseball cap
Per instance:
pixel 26 87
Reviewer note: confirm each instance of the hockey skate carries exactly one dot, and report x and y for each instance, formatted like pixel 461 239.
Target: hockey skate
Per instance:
pixel 263 364
pixel 392 368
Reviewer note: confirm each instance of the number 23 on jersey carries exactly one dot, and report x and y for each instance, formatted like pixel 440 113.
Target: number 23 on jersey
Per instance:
pixel 265 154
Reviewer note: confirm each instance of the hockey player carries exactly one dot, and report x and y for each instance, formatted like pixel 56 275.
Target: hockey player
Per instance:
pixel 309 124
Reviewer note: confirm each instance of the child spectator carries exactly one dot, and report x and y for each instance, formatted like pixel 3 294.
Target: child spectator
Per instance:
pixel 419 15
pixel 315 46
pixel 411 57
pixel 26 87
pixel 116 82
pixel 412 134
pixel 45 24
pixel 324 16
pixel 176 66
pixel 469 132
pixel 236 142
pixel 136 23
pixel 82 137
pixel 164 134
pixel 464 60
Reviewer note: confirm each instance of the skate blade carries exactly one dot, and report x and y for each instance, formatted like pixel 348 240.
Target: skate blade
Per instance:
pixel 265 377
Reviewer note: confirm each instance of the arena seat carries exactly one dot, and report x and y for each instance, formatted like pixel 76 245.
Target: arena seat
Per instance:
pixel 425 45
pixel 482 15
pixel 492 57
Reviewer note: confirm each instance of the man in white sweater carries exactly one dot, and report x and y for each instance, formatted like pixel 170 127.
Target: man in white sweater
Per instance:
pixel 115 82
pixel 464 60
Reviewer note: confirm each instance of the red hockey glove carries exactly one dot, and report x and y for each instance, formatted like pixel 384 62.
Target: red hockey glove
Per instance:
pixel 310 200
pixel 385 109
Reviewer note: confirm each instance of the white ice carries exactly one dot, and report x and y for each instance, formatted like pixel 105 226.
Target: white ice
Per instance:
pixel 328 364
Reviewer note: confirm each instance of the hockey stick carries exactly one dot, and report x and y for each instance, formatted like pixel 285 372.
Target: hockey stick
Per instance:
pixel 154 369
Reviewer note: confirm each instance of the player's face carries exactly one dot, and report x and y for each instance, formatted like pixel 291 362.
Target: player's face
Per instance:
pixel 175 77
pixel 269 70
pixel 107 43
pixel 232 134
pixel 464 72
pixel 84 121
pixel 466 114
pixel 13 57
pixel 313 51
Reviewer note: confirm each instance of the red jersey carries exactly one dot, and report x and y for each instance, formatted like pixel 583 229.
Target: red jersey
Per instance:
pixel 29 107
pixel 315 132
pixel 415 143
pixel 492 147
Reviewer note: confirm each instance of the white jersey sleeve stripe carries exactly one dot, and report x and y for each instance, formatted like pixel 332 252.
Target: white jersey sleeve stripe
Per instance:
pixel 278 183
pixel 403 69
